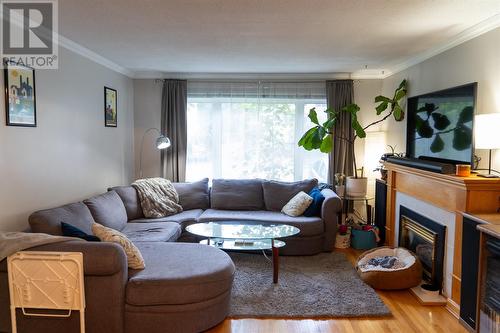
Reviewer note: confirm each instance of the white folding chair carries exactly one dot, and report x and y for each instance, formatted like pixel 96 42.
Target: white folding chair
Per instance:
pixel 46 280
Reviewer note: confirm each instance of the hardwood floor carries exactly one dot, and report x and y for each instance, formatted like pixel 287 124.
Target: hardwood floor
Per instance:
pixel 408 316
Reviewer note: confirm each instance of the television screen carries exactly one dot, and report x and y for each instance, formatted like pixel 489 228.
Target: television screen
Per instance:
pixel 440 125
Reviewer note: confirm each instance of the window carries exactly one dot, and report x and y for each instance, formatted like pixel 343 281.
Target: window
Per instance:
pixel 251 130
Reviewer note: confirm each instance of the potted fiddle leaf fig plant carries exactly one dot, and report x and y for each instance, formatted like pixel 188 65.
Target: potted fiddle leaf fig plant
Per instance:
pixel 322 135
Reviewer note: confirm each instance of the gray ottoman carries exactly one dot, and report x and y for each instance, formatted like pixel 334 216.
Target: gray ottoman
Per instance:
pixel 184 288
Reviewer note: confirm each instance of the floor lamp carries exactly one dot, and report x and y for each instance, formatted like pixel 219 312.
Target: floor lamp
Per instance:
pixel 487 136
pixel 162 142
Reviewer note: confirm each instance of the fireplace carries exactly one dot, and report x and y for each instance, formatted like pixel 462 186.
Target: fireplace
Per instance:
pixel 425 238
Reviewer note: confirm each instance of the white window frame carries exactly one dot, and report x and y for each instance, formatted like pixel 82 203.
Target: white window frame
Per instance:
pixel 300 125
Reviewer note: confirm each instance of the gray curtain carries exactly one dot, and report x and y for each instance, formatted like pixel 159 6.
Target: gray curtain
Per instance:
pixel 173 125
pixel 340 93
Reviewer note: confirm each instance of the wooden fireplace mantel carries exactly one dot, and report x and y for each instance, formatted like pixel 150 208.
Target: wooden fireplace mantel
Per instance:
pixel 451 193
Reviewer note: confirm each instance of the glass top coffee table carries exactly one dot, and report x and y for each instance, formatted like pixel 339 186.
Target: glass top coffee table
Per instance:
pixel 245 236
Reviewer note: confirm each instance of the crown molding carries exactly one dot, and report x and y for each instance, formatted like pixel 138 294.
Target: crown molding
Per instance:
pixel 481 28
pixel 79 49
pixel 91 55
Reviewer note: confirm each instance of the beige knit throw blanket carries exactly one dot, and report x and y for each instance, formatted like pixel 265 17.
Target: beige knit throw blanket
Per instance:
pixel 12 242
pixel 158 197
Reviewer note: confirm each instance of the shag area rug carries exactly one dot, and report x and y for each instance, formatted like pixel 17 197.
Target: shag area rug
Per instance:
pixel 321 286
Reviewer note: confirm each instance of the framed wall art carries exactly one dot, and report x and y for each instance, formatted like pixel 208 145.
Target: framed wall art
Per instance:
pixel 110 107
pixel 20 97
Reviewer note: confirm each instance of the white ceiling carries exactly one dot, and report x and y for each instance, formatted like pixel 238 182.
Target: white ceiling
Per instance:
pixel 268 36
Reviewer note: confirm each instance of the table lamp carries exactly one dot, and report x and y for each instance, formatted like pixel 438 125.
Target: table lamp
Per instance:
pixel 487 136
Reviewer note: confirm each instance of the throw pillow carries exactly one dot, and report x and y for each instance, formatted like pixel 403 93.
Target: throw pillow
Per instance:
pixel 105 234
pixel 71 231
pixel 314 208
pixel 297 205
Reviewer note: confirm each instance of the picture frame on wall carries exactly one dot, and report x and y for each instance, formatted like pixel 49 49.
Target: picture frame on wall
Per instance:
pixel 110 107
pixel 20 95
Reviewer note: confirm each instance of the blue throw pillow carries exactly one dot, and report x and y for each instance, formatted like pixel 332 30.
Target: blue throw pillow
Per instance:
pixel 71 231
pixel 314 208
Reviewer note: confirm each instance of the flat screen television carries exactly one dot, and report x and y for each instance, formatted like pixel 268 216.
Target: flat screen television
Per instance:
pixel 440 125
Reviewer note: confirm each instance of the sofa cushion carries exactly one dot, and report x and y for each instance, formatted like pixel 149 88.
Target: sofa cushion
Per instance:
pixel 152 232
pixel 187 216
pixel 48 221
pixel 277 194
pixel 193 195
pixel 179 273
pixel 108 210
pixel 131 201
pixel 237 194
pixel 309 226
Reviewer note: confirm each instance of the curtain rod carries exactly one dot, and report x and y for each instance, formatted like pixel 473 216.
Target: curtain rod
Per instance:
pixel 245 80
pixel 257 81
pixel 252 77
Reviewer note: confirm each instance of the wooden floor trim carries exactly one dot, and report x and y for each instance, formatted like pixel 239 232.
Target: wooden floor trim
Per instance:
pixel 453 308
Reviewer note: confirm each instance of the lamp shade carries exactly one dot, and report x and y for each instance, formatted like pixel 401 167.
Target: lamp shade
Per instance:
pixel 162 142
pixel 487 131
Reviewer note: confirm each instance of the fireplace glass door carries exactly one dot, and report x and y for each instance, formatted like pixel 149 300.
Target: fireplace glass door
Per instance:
pixel 420 241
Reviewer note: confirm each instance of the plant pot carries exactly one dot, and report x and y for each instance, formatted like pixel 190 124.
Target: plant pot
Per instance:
pixel 356 187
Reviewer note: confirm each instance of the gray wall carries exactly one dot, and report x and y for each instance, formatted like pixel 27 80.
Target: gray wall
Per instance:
pixel 70 155
pixel 477 60
pixel 147 106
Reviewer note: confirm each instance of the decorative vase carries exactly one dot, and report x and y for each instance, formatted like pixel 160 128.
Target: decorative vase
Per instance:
pixel 343 241
pixel 340 190
pixel 383 174
pixel 356 187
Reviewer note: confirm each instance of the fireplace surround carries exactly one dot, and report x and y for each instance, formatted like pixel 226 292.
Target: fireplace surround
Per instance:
pixel 426 238
pixel 444 198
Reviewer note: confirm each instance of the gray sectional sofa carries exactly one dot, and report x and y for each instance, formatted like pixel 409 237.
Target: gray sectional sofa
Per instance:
pixel 250 200
pixel 185 287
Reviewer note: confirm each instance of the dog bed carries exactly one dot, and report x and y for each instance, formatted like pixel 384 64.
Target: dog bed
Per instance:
pixel 389 268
